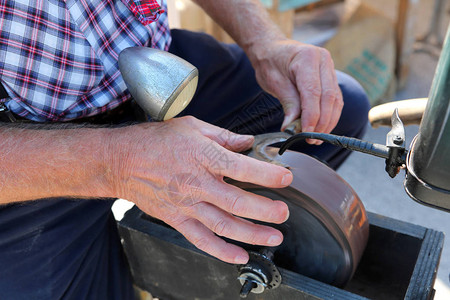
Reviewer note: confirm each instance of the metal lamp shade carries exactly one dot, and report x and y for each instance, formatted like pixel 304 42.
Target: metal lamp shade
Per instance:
pixel 161 83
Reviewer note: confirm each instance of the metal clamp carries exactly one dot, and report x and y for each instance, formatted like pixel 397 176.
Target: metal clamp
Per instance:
pixel 395 141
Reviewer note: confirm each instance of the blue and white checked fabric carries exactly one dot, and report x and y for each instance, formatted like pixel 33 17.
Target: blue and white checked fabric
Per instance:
pixel 58 58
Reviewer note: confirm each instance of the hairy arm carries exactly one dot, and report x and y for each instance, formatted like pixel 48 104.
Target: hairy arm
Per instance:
pixel 247 21
pixel 301 76
pixel 37 163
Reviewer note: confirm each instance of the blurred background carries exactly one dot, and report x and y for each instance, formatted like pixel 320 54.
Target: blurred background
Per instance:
pixel 392 48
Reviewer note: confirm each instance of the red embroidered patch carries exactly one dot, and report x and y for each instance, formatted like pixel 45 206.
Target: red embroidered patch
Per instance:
pixel 147 11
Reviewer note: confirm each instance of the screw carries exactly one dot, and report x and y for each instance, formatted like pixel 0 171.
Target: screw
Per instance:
pixel 398 140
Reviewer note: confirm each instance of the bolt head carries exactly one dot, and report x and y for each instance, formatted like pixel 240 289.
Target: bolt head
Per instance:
pixel 398 140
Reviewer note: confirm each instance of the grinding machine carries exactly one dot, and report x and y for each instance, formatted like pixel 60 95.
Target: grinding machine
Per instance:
pixel 332 248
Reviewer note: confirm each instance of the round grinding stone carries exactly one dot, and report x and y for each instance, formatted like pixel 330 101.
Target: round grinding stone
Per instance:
pixel 327 229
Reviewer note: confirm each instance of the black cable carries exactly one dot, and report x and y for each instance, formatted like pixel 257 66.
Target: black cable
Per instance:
pixel 341 141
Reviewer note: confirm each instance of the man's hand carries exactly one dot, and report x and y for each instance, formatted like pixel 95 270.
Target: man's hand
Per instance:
pixel 303 78
pixel 174 171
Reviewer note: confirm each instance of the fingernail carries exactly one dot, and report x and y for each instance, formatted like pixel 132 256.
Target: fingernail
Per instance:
pixel 274 240
pixel 286 122
pixel 241 259
pixel 286 179
pixel 287 216
pixel 243 140
pixel 244 137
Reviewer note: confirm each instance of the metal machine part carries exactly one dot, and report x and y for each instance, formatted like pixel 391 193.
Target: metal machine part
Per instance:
pixel 327 230
pixel 259 274
pixel 395 141
pixel 262 141
pixel 161 83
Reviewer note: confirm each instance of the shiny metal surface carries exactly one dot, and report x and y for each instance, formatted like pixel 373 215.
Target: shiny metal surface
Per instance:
pixel 262 141
pixel 428 164
pixel 259 274
pixel 327 230
pixel 156 78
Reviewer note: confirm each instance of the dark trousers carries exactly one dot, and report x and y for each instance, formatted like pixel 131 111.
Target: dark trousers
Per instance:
pixel 229 96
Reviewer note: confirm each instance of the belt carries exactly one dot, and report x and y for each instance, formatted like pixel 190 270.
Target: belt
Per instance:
pixel 126 112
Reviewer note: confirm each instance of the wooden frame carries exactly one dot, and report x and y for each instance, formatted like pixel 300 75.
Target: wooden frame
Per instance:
pixel 400 261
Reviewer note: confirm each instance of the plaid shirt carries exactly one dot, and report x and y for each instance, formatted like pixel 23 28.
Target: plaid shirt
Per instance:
pixel 58 58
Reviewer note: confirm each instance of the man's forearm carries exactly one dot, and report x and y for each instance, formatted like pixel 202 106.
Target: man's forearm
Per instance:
pixel 36 163
pixel 247 21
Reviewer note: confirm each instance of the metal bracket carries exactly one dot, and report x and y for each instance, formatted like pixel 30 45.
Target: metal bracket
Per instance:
pixel 395 141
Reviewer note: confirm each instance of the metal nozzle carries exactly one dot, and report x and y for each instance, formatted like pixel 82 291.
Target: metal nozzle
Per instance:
pixel 161 83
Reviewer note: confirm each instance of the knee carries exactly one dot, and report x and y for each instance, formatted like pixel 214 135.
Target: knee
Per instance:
pixel 356 106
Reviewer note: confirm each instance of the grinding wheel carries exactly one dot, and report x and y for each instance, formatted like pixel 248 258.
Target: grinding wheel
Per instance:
pixel 327 230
